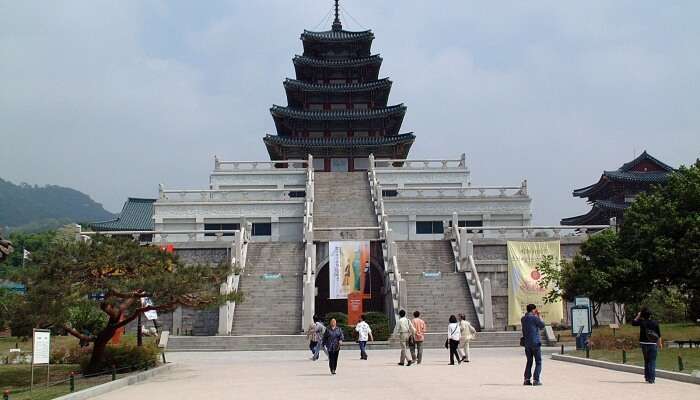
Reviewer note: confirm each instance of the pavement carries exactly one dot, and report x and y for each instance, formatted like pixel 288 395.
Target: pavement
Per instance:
pixel 493 373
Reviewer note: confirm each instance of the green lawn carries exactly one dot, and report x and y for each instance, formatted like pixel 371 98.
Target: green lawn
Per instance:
pixel 7 343
pixel 667 358
pixel 677 331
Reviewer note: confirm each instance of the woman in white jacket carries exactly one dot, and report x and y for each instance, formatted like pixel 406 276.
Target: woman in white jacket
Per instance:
pixel 453 339
pixel 467 333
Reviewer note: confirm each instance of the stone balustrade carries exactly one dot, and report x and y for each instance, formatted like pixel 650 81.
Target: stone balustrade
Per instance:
pixel 459 192
pixel 529 232
pixel 223 195
pixel 280 165
pixel 421 164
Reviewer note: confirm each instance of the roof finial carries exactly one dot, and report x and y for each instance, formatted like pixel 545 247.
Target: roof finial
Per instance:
pixel 337 26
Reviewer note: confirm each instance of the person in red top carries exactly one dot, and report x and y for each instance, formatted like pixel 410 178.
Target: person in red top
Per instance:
pixel 419 336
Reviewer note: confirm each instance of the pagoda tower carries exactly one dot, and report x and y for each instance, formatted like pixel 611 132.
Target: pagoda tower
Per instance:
pixel 337 107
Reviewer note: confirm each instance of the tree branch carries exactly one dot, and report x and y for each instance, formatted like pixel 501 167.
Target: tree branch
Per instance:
pixel 163 307
pixel 77 334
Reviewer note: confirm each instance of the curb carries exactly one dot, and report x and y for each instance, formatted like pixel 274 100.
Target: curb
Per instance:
pixel 675 376
pixel 118 384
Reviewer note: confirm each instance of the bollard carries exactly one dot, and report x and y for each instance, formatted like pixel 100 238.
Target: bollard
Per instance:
pixel 562 349
pixel 588 351
pixel 72 382
pixel 558 337
pixel 624 357
pixel 114 373
pixel 680 363
pixel 146 366
pixel 6 395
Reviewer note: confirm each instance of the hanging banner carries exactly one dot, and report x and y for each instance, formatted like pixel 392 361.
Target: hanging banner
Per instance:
pixel 347 262
pixel 523 281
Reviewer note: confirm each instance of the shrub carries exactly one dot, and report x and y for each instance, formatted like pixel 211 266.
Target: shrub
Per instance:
pixel 380 325
pixel 124 357
pixel 613 342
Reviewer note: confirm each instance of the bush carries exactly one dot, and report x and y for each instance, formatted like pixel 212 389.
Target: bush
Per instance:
pixel 613 342
pixel 377 321
pixel 124 357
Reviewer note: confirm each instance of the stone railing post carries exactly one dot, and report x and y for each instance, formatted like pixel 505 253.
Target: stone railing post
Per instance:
pixel 488 305
pixel 403 296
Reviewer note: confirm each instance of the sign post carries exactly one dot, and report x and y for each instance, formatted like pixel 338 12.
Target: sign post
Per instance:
pixel 581 325
pixel 41 353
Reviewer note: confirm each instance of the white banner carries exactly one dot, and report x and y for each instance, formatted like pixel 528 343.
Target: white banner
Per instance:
pixel 41 347
pixel 347 261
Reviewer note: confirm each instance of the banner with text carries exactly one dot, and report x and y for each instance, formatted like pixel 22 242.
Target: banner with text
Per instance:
pixel 523 280
pixel 347 262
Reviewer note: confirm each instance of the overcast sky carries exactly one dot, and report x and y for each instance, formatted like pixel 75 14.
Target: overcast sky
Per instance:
pixel 114 97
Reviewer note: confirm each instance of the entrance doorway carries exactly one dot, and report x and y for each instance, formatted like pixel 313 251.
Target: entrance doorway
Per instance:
pixel 339 165
pixel 374 289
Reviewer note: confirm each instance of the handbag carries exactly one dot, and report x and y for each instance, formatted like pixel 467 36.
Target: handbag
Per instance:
pixel 447 343
pixel 522 341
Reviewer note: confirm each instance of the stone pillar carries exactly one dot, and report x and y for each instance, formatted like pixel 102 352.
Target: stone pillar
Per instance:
pixel 411 227
pixel 403 296
pixel 177 322
pixel 199 226
pixel 488 305
pixel 275 229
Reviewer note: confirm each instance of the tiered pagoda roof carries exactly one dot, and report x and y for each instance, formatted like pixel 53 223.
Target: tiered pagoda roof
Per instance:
pixel 136 215
pixel 338 102
pixel 611 195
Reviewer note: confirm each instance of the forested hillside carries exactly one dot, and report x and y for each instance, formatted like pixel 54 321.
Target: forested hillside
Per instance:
pixel 37 208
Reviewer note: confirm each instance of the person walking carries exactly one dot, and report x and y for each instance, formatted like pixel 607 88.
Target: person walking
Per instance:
pixel 467 333
pixel 312 337
pixel 364 332
pixel 649 342
pixel 332 340
pixel 418 338
pixel 406 332
pixel 531 325
pixel 320 331
pixel 452 341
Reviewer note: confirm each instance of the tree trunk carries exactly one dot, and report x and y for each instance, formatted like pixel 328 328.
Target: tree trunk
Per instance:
pixel 596 310
pixel 98 349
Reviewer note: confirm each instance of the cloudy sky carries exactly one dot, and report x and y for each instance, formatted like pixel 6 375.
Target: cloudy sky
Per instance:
pixel 114 97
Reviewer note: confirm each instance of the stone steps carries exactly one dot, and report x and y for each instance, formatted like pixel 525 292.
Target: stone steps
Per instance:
pixel 272 303
pixel 441 293
pixel 299 342
pixel 343 200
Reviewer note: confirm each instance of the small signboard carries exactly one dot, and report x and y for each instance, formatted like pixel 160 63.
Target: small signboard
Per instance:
pixel 272 277
pixel 432 275
pixel 582 301
pixel 581 320
pixel 152 314
pixel 41 346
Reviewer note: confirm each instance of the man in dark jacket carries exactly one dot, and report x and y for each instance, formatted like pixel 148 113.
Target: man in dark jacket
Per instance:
pixel 531 324
pixel 649 342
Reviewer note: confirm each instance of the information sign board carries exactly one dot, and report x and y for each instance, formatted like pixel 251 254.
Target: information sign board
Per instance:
pixel 41 346
pixel 580 320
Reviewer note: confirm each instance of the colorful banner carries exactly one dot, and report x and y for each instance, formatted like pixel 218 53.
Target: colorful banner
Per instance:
pixel 347 262
pixel 523 280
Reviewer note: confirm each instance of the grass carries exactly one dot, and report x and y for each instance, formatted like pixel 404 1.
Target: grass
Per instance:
pixel 7 343
pixel 666 360
pixel 676 331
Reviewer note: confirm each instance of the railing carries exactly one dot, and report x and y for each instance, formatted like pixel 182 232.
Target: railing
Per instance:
pixel 420 164
pixel 463 251
pixel 396 283
pixel 281 165
pixel 309 285
pixel 461 192
pixel 239 252
pixel 176 196
pixel 534 231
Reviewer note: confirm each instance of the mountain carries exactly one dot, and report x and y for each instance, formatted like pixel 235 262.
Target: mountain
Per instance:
pixel 36 208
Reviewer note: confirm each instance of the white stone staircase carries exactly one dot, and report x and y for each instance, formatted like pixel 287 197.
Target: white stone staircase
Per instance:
pixel 432 285
pixel 343 200
pixel 272 290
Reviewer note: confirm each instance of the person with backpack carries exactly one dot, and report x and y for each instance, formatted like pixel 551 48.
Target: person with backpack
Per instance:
pixel 319 332
pixel 467 333
pixel 649 342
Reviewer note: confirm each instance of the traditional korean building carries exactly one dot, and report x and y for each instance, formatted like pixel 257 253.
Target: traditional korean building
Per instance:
pixel 337 107
pixel 616 190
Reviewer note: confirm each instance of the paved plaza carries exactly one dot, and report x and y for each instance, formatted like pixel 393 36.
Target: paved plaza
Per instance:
pixel 493 374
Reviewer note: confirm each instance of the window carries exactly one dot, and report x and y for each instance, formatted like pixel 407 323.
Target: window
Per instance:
pixel 465 224
pixel 429 227
pixel 390 193
pixel 339 134
pixel 360 134
pixel 297 193
pixel 262 229
pixel 360 106
pixel 316 135
pixel 361 164
pixel 315 106
pixel 221 227
pixel 336 81
pixel 339 106
pixel 319 164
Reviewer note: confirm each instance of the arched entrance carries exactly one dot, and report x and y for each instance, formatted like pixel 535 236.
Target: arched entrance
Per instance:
pixel 374 292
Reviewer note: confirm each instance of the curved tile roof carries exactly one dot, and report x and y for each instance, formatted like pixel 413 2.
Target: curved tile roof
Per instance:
pixel 337 36
pixel 352 62
pixel 645 157
pixel 341 87
pixel 136 215
pixel 338 115
pixel 340 142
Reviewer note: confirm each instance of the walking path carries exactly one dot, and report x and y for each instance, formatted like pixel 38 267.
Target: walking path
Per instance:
pixel 492 374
